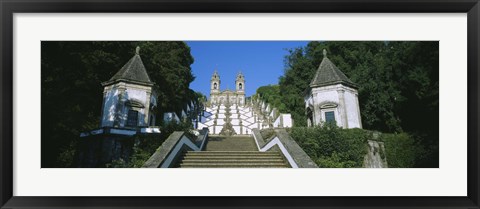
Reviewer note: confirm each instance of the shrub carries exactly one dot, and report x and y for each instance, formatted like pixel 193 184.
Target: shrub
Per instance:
pixel 267 134
pixel 146 144
pixel 401 150
pixel 333 147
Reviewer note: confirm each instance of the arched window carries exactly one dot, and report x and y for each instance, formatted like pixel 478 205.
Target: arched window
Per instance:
pixel 240 86
pixel 214 85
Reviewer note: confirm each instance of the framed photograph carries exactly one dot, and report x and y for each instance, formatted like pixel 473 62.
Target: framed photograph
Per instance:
pixel 265 104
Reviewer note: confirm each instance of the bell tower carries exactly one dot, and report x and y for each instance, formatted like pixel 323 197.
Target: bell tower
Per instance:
pixel 240 82
pixel 240 88
pixel 214 87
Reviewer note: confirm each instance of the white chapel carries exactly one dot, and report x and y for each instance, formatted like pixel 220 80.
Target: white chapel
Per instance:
pixel 129 97
pixel 332 98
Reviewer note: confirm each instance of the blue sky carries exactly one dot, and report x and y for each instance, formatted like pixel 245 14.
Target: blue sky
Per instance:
pixel 261 62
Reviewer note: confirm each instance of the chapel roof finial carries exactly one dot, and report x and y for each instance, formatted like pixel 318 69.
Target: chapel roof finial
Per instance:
pixel 133 70
pixel 328 74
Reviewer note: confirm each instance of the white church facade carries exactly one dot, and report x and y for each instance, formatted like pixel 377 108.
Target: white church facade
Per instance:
pixel 218 97
pixel 229 112
pixel 332 98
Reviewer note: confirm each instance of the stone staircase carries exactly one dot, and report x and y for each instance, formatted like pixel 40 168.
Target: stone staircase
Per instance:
pixel 232 152
pixel 233 159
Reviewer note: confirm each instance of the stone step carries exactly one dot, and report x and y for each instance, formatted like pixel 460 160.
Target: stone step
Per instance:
pixel 232 154
pixel 233 157
pixel 233 165
pixel 235 161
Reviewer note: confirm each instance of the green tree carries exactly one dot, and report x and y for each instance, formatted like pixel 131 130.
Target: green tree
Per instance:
pixel 397 86
pixel 168 65
pixel 72 72
pixel 298 73
pixel 271 95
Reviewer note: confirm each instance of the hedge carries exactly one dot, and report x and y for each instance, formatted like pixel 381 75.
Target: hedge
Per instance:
pixel 333 147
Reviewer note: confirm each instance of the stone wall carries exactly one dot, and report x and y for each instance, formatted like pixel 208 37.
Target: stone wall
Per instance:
pixel 96 151
pixel 376 156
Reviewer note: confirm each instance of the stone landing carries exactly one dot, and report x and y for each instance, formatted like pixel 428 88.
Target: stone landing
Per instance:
pixel 231 143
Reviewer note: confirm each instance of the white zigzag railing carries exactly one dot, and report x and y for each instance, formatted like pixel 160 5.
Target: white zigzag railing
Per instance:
pixel 167 154
pixel 296 157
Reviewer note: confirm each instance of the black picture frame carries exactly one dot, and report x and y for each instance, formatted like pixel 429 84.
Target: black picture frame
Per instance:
pixel 9 7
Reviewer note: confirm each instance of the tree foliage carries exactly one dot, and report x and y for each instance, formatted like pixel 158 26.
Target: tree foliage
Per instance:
pixel 271 95
pixel 398 86
pixel 72 72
